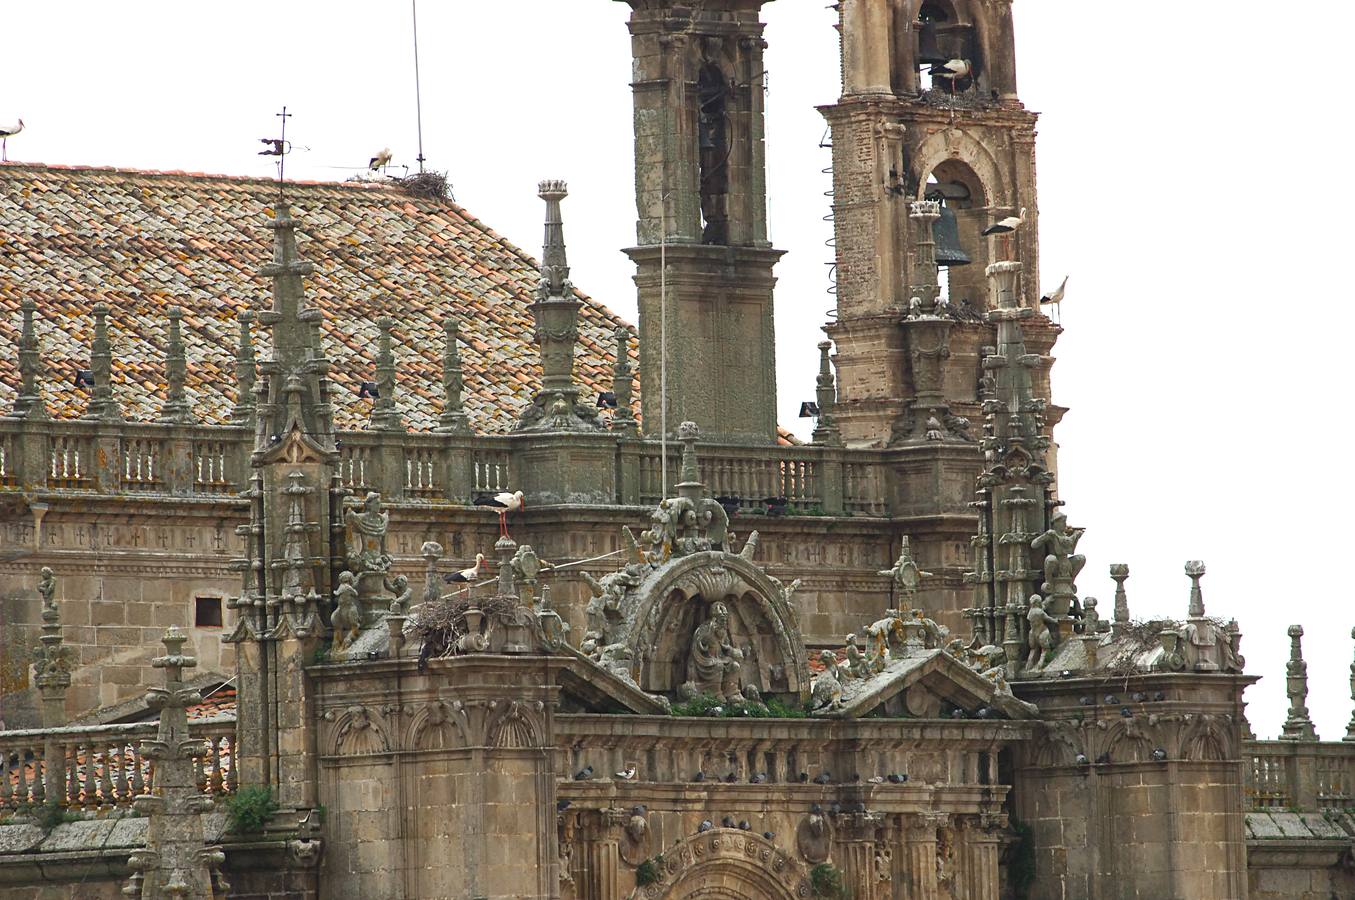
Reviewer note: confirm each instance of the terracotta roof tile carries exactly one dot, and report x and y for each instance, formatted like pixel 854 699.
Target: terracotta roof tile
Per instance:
pixel 144 241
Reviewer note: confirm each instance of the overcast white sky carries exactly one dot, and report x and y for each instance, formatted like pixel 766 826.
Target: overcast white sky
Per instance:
pixel 1193 179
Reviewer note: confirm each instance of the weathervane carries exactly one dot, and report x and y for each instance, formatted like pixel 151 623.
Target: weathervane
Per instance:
pixel 279 147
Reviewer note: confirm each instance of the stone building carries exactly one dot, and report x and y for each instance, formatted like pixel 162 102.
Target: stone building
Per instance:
pixel 688 657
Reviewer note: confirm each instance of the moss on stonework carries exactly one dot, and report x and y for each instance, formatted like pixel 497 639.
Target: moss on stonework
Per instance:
pixel 826 881
pixel 649 871
pixel 708 705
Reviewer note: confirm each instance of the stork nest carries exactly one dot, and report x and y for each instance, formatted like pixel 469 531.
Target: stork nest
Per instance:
pixel 429 185
pixel 440 624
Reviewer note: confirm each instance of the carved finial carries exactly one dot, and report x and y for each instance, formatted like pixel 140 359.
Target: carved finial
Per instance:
pixel 453 418
pixel 925 286
pixel 1297 726
pixel 29 404
pixel 101 404
pixel 52 661
pixel 176 410
pixel 431 552
pixel 1120 573
pixel 623 380
pixel 1195 571
pixel 554 261
pixel 385 417
pixel 689 434
pixel 1350 729
pixel 245 373
pixel 825 394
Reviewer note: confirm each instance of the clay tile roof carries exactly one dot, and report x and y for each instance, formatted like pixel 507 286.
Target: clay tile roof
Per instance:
pixel 144 241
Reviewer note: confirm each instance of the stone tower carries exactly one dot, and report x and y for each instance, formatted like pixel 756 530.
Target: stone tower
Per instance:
pixel 901 134
pixel 703 259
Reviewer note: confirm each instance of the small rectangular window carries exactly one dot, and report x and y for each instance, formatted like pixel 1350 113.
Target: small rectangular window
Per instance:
pixel 208 613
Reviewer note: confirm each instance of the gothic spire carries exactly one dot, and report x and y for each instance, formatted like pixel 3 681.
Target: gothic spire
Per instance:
pixel 1298 726
pixel 243 412
pixel 102 406
pixel 176 409
pixel 385 417
pixel 29 404
pixel 296 396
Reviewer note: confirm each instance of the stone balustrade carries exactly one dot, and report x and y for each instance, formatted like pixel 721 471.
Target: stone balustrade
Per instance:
pixel 101 767
pixel 185 460
pixel 1302 776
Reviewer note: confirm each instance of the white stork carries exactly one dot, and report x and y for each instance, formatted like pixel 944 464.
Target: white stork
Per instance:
pixel 467 575
pixel 7 132
pixel 1007 225
pixel 381 160
pixel 503 503
pixel 953 69
pixel 1055 297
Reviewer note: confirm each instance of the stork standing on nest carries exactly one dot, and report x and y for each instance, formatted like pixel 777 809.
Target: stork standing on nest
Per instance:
pixel 7 132
pixel 381 160
pixel 503 503
pixel 1005 227
pixel 467 575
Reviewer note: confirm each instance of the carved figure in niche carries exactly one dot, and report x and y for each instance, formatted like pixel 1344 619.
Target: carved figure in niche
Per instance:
pixel 1041 636
pixel 714 663
pixel 347 616
pixel 857 664
pixel 827 690
pixel 1061 566
pixel 47 589
pixel 366 535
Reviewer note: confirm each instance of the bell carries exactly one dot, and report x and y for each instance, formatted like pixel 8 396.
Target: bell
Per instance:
pixel 946 233
pixel 928 47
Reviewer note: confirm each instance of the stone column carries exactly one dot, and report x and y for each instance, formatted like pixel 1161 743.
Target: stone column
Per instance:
pixel 101 404
pixel 979 874
pixel 1298 726
pixel 52 665
pixel 1120 573
pixel 176 409
pixel 385 417
pixel 453 418
pixel 919 853
pixel 29 404
pixel 825 394
pixel 174 865
pixel 856 843
pixel 623 382
pixel 245 373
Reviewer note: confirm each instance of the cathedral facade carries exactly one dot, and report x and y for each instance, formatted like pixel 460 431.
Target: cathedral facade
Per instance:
pixel 448 583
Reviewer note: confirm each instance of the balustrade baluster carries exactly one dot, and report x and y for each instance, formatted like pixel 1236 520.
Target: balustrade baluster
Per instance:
pixel 6 785
pixel 216 781
pixel 138 782
pixel 21 793
pixel 73 775
pixel 124 785
pixel 232 781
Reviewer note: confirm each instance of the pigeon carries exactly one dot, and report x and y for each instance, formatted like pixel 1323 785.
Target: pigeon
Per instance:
pixel 1160 755
pixel 876 779
pixel 699 776
pixel 759 778
pixel 381 160
pixel 727 822
pixel 897 778
pixel 745 825
pixel 1112 700
pixel 1140 696
pixel 584 774
pixel 1082 759
pixel 823 777
pixel 706 825
pixel 1160 696
pixel 769 834
pixel 627 774
pixel 986 712
pixel 562 805
pixel 503 503
pixel 856 778
pixel 834 809
pixel 1126 712
pixel 466 575
pixel 731 777
pixel 804 776
pixel 815 809
pixel 1086 701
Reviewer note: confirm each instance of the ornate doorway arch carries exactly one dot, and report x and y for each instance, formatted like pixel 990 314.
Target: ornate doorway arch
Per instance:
pixel 727 864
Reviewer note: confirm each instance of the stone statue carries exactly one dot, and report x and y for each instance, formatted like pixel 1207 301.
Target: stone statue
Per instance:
pixel 714 663
pixel 934 430
pixel 1061 566
pixel 1041 637
pixel 347 617
pixel 857 664
pixel 367 556
pixel 47 589
pixel 1091 619
pixel 403 593
pixel 906 575
pixel 827 690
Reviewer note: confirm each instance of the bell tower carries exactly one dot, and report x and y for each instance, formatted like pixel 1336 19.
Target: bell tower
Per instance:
pixel 704 265
pixel 928 112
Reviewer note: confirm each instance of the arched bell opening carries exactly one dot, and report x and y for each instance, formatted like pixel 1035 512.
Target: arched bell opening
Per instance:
pixel 961 250
pixel 714 148
pixel 945 47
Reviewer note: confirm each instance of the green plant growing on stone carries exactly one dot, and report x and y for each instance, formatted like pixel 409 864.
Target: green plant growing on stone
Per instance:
pixel 250 808
pixel 47 815
pixel 648 872
pixel 825 880
pixel 708 705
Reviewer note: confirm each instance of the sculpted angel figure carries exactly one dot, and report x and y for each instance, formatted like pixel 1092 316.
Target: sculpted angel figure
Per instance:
pixel 367 537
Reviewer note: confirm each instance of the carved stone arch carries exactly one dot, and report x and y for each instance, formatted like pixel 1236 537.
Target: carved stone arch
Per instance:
pixel 513 728
pixel 1127 742
pixel 1058 745
pixel 676 597
pixel 356 731
pixel 955 145
pixel 1204 740
pixel 727 862
pixel 435 726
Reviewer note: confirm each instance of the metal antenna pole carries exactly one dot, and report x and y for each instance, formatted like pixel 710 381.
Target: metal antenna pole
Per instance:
pixel 282 148
pixel 418 97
